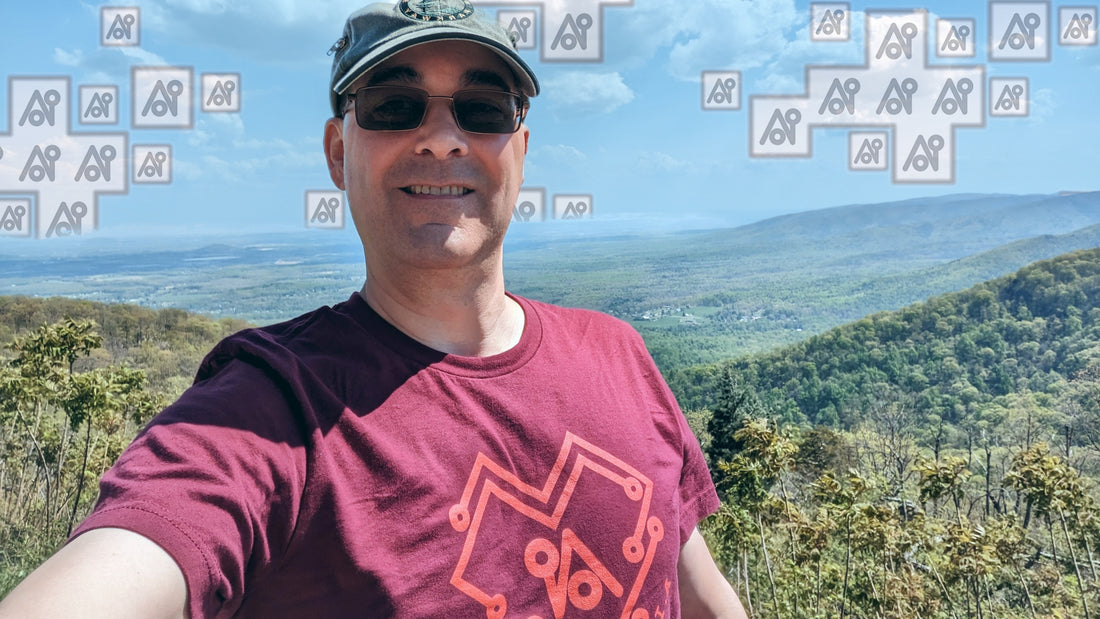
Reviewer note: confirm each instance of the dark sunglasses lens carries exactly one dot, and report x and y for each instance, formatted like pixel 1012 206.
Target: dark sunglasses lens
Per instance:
pixel 385 109
pixel 487 111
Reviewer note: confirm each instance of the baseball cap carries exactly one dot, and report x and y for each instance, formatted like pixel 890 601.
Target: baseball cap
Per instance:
pixel 378 31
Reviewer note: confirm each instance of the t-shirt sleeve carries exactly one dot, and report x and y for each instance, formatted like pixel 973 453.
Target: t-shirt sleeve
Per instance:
pixel 214 480
pixel 698 497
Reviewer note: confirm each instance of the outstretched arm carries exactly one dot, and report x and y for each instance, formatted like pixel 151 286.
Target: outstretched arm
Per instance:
pixel 103 573
pixel 704 592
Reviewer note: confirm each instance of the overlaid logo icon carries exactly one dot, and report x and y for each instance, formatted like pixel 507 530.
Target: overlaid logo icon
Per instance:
pixel 42 108
pixel 15 217
pixel 925 154
pixel 521 25
pixel 579 571
pixel 68 220
pixel 96 164
pixel 221 92
pixel 1077 25
pixel 898 97
pixel 569 30
pixel 1019 31
pixel 162 97
pixel 325 209
pixel 98 105
pixel 152 164
pixel 573 34
pixel 1008 96
pixel 898 42
pixel 841 97
pixel 62 173
pixel 917 106
pixel 954 96
pixel 573 206
pixel 867 150
pixel 530 205
pixel 830 21
pixel 955 38
pixel 782 131
pixel 42 164
pixel 721 90
pixel 119 26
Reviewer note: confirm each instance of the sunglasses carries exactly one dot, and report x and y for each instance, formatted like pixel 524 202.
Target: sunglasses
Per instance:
pixel 401 108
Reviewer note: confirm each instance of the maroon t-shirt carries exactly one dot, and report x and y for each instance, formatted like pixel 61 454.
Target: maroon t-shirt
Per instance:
pixel 331 466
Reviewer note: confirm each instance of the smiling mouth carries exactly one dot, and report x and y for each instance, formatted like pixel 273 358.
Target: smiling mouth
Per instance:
pixel 432 190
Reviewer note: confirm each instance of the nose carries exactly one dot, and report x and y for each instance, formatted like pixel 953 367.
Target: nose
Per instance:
pixel 439 134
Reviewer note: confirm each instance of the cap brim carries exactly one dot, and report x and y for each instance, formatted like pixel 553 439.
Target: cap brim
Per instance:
pixel 528 84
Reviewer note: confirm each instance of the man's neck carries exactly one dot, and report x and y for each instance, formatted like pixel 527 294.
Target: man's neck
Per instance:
pixel 469 316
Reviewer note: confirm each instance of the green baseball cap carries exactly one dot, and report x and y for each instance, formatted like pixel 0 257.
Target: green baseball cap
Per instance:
pixel 377 31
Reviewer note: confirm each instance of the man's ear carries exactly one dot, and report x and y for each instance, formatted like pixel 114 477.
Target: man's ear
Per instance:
pixel 526 135
pixel 334 150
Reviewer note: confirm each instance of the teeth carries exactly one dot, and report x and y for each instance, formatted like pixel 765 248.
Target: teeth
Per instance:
pixel 450 190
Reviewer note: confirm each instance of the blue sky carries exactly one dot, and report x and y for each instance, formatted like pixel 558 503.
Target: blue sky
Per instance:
pixel 629 129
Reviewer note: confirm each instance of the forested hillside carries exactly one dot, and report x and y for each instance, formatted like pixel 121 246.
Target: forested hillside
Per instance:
pixel 951 356
pixel 938 461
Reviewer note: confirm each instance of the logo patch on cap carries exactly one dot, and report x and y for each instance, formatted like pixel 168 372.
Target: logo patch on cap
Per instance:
pixel 437 10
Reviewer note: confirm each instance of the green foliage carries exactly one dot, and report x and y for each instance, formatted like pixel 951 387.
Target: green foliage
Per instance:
pixel 933 494
pixel 70 402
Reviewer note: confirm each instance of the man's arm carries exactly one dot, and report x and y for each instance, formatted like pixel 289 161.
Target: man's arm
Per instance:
pixel 103 573
pixel 704 592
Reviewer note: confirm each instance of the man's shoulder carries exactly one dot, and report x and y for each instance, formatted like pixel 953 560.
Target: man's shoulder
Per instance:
pixel 304 336
pixel 581 322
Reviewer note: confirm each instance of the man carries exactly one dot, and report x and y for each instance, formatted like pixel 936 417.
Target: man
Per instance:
pixel 433 446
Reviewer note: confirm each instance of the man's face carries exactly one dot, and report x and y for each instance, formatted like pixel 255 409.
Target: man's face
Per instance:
pixel 435 196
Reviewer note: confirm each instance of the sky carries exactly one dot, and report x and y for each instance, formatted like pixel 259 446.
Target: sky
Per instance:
pixel 623 131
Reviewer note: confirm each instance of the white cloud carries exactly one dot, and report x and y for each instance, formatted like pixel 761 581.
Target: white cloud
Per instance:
pixel 275 31
pixel 707 34
pixel 215 128
pixel 106 64
pixel 559 154
pixel 663 162
pixel 1041 105
pixel 68 59
pixel 574 94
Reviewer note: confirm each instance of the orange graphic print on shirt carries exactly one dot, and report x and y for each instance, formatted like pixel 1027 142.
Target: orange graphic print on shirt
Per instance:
pixel 575 574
